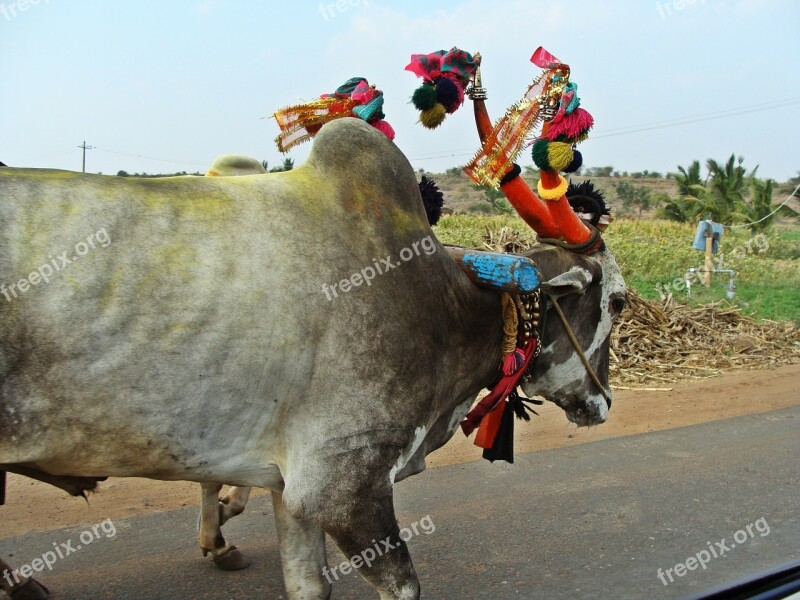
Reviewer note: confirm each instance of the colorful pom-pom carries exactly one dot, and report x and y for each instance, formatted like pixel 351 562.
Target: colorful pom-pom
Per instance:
pixel 577 162
pixel 539 154
pixel 424 97
pixel 384 128
pixel 574 126
pixel 449 93
pixel 559 155
pixel 433 117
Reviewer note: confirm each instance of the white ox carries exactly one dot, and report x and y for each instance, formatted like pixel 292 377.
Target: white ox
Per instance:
pixel 200 344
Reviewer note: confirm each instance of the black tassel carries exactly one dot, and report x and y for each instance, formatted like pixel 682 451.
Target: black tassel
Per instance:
pixel 584 198
pixel 503 447
pixel 432 198
pixel 518 403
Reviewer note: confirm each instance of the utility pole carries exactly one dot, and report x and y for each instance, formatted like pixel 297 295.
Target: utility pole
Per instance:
pixel 85 148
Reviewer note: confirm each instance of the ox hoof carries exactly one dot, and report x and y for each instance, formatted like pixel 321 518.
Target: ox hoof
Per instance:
pixel 32 590
pixel 232 560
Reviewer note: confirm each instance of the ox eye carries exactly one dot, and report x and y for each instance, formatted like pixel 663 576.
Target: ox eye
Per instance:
pixel 617 305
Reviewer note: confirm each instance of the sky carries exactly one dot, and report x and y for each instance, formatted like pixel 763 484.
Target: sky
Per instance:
pixel 166 86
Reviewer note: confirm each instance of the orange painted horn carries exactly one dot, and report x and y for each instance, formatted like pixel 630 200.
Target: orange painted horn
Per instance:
pixel 573 229
pixel 529 206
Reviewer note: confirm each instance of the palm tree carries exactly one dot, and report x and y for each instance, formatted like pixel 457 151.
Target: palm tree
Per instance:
pixel 691 190
pixel 725 190
pixel 760 204
pixel 688 179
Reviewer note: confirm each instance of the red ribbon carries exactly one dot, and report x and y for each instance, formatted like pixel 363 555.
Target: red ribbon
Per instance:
pixel 499 393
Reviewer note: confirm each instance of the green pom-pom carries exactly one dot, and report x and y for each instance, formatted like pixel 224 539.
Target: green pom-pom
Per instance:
pixel 424 97
pixel 433 117
pixel 540 157
pixel 559 155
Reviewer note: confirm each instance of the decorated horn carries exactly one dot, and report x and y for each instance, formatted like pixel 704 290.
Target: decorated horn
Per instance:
pixel 532 210
pixel 551 100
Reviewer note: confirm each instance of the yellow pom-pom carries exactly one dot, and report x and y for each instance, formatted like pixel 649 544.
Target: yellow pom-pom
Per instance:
pixel 433 117
pixel 553 193
pixel 559 155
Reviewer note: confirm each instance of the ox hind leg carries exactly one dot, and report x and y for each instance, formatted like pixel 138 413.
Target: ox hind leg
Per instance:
pixel 356 509
pixel 224 555
pixel 233 503
pixel 19 587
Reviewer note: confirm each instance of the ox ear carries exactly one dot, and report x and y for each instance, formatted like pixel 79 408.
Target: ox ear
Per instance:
pixel 574 281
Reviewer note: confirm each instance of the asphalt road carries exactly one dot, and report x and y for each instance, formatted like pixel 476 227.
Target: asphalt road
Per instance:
pixel 591 521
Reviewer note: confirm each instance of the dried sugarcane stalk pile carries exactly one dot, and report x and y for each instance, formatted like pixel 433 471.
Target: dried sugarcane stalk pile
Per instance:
pixel 655 343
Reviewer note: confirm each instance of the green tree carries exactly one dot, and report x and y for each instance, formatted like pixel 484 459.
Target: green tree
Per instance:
pixel 634 196
pixel 725 190
pixel 496 200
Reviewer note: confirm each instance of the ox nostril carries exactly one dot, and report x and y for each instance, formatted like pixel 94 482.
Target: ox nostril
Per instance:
pixel 608 400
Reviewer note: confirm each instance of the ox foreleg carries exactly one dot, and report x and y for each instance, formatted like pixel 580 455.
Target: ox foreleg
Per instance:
pixel 360 518
pixel 19 587
pixel 225 556
pixel 303 555
pixel 233 503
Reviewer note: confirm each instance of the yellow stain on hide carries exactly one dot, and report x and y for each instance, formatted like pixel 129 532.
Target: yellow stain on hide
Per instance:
pixel 167 265
pixel 111 290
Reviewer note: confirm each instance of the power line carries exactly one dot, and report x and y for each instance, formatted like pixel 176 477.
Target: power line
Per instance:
pixel 764 105
pixel 165 160
pixel 690 120
pixel 630 129
pixel 780 206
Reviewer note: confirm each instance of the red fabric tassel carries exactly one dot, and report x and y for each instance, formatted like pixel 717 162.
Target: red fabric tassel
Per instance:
pixel 544 60
pixel 487 432
pixel 499 393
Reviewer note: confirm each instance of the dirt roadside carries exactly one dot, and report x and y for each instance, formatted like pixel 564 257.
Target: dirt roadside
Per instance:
pixel 33 506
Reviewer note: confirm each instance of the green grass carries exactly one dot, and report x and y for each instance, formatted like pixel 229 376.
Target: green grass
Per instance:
pixel 653 253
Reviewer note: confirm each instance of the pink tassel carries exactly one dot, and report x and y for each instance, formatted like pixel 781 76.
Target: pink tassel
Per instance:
pixel 571 126
pixel 384 128
pixel 513 361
